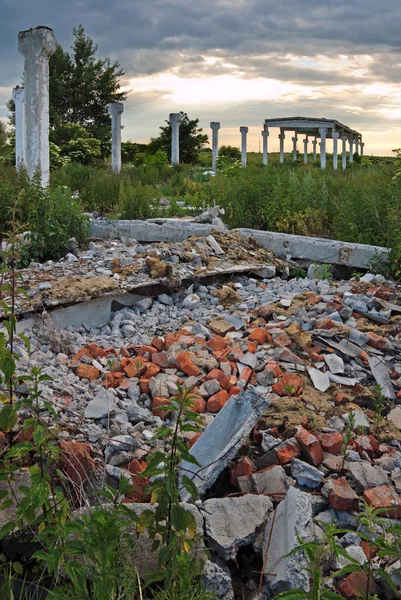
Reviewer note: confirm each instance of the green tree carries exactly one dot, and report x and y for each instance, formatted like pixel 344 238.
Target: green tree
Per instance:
pixel 6 149
pixel 192 140
pixel 75 144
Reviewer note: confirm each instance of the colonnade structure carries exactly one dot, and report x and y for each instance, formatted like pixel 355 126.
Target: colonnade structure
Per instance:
pixel 317 129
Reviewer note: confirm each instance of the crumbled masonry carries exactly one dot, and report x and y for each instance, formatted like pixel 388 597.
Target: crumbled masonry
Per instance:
pixel 276 366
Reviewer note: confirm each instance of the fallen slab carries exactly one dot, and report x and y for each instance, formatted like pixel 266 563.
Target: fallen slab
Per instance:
pixel 222 439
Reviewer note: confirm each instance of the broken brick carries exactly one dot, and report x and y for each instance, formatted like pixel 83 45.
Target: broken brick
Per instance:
pixel 384 497
pixel 331 442
pixel 82 352
pixel 241 469
pixel 288 385
pixel 88 372
pixel 310 446
pixel 161 359
pixel 376 341
pixel 192 438
pixel 273 366
pixel 186 365
pixel 219 376
pixel 342 496
pixel 139 484
pixel 198 404
pixel 288 450
pixel 259 335
pixel 216 402
pixel 135 368
pixel 355 586
pixel 76 461
pixel 283 341
pixel 246 375
pixel 95 350
pixel 160 412
pixel 217 343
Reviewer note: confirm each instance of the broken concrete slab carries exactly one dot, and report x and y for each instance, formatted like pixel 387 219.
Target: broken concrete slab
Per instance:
pixel 234 522
pixel 272 480
pixel 292 523
pixel 381 374
pixel 217 581
pixel 320 380
pixel 102 405
pixel 221 440
pixel 364 476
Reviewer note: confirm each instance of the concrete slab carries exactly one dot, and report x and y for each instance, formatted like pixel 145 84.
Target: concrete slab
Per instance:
pixel 221 441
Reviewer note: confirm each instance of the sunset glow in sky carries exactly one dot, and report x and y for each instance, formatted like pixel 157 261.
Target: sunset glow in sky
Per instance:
pixel 234 61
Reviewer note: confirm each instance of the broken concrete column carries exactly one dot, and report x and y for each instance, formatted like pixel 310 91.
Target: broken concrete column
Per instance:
pixel 357 145
pixel 351 149
pixel 175 120
pixel 306 150
pixel 323 134
pixel 281 137
pixel 314 142
pixel 335 135
pixel 36 46
pixel 344 139
pixel 20 133
pixel 244 131
pixel 362 145
pixel 215 143
pixel 265 135
pixel 291 526
pixel 294 147
pixel 115 110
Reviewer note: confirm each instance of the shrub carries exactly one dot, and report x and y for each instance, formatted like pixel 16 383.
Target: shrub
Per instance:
pixel 136 202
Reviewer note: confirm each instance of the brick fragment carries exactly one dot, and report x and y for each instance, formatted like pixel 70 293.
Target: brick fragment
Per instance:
pixel 242 468
pixel 136 367
pixel 376 341
pixel 160 412
pixel 259 335
pixel 282 341
pixel 88 372
pixel 310 446
pixel 384 497
pixel 192 439
pixel 219 376
pixel 198 404
pixel 139 484
pixel 76 461
pixel 331 442
pixel 288 385
pixel 95 350
pixel 186 365
pixel 342 496
pixel 216 402
pixel 287 451
pixel 355 585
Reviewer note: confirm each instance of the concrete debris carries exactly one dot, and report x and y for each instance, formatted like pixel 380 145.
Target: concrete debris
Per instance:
pixel 234 522
pixel 217 581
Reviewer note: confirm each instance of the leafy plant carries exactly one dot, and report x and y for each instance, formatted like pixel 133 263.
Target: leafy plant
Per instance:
pixel 379 407
pixel 348 435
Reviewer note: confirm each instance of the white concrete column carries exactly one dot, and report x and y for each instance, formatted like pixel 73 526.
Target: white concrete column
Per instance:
pixel 335 135
pixel 323 134
pixel 306 150
pixel 265 135
pixel 20 133
pixel 314 142
pixel 357 145
pixel 362 145
pixel 344 139
pixel 351 149
pixel 281 137
pixel 115 110
pixel 215 143
pixel 244 131
pixel 36 46
pixel 294 147
pixel 175 120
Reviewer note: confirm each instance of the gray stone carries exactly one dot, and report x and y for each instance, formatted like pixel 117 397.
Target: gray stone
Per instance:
pixel 217 581
pixel 394 416
pixel 158 386
pixel 334 362
pixel 220 442
pixel 165 299
pixel 102 405
pixel 355 553
pixel 355 304
pixel 341 518
pixel 249 359
pixel 266 272
pixel 381 373
pixel 209 388
pixel 265 378
pixel 305 474
pixel 361 419
pixel 291 526
pixel 191 302
pixel 234 522
pixel 144 304
pixel 137 413
pixel 272 481
pixel 269 442
pixel 365 476
pixel 350 539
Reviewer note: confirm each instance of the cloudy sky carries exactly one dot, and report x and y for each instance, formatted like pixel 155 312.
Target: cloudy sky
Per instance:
pixel 234 61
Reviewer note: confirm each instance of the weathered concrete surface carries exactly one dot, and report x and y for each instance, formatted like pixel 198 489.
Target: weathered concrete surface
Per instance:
pixel 115 111
pixel 317 249
pixel 217 581
pixel 293 520
pixel 234 522
pixel 146 231
pixel 221 440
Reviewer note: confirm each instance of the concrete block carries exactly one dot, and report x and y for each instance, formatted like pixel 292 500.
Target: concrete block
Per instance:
pixel 221 441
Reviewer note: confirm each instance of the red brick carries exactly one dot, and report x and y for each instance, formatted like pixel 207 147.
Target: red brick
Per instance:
pixel 160 412
pixel 219 376
pixel 161 359
pixel 76 461
pixel 112 380
pixel 186 365
pixel 260 335
pixel 87 372
pixel 369 550
pixel 144 385
pixel 310 446
pixel 282 341
pixel 325 324
pixel 376 341
pixel 170 339
pixel 342 496
pixel 366 443
pixel 198 404
pixel 273 366
pixel 157 343
pixel 246 375
pixel 95 350
pixel 80 354
pixel 217 343
pixel 139 484
pixel 135 368
pixel 385 497
pixel 216 402
pixel 290 450
pixel 331 442
pixel 287 381
pixel 193 438
pixel 234 391
pixel 151 370
pixel 252 347
pixel 354 586
pixel 241 469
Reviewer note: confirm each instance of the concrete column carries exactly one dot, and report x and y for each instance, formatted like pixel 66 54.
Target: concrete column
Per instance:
pixel 36 46
pixel 265 135
pixel 362 145
pixel 357 145
pixel 215 143
pixel 175 122
pixel 306 150
pixel 344 139
pixel 335 135
pixel 351 149
pixel 244 131
pixel 20 133
pixel 294 147
pixel 314 142
pixel 323 134
pixel 115 110
pixel 281 137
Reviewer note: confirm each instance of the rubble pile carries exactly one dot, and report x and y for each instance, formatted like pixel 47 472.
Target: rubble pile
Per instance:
pixel 277 369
